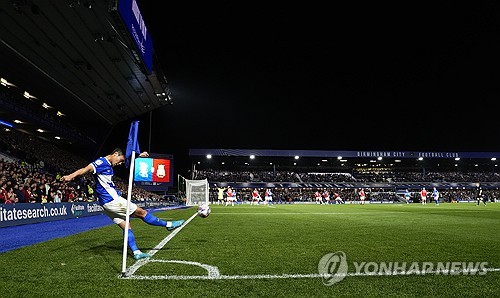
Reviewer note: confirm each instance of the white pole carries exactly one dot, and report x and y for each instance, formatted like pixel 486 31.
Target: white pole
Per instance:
pixel 127 217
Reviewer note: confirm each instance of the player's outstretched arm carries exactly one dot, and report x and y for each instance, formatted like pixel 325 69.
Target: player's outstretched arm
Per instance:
pixel 77 173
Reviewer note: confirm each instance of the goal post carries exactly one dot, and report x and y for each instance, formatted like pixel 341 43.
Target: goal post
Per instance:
pixel 196 192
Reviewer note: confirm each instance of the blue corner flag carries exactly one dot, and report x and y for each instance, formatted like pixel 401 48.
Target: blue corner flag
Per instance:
pixel 132 143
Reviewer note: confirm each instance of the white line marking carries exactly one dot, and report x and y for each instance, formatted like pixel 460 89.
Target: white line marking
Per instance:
pixel 213 273
pixel 132 269
pixel 306 213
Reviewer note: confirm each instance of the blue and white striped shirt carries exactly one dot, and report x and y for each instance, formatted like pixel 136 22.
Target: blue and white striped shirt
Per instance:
pixel 104 186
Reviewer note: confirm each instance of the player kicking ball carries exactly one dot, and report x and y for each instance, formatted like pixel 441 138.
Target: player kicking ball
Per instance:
pixel 113 203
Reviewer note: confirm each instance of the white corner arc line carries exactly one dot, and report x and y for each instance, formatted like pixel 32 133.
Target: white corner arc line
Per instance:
pixel 213 271
pixel 132 269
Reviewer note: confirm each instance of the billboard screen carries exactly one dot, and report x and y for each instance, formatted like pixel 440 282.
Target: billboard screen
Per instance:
pixel 154 173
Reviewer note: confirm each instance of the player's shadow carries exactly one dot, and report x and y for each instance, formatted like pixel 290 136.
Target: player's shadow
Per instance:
pixel 110 252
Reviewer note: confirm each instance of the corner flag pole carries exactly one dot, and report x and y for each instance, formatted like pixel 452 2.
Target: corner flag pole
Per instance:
pixel 127 216
pixel 132 148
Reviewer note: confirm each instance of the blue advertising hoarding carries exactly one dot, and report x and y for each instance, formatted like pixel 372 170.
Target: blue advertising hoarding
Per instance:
pixel 19 214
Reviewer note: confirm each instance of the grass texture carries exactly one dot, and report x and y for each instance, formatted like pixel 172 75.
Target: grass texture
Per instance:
pixel 263 251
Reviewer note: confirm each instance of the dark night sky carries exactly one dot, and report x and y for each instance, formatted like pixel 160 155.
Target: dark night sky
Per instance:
pixel 327 77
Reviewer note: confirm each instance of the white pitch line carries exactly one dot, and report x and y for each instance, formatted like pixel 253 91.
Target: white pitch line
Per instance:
pixel 132 269
pixel 307 213
pixel 313 275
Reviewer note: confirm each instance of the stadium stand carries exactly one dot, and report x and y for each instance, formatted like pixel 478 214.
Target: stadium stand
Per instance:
pixel 296 179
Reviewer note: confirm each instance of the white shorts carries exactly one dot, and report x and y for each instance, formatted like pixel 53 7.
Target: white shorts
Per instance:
pixel 362 198
pixel 269 198
pixel 231 199
pixel 116 209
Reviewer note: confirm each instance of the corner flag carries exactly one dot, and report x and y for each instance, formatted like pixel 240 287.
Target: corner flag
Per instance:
pixel 132 143
pixel 132 150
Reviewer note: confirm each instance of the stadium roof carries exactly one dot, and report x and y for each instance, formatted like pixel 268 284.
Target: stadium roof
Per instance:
pixel 324 160
pixel 76 58
pixel 337 153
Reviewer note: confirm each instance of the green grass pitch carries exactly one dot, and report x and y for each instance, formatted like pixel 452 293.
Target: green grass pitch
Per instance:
pixel 261 251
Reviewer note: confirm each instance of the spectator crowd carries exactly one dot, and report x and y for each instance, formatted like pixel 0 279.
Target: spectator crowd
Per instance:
pixel 31 168
pixel 30 172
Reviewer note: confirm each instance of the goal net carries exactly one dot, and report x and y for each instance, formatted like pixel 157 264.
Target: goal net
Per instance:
pixel 196 191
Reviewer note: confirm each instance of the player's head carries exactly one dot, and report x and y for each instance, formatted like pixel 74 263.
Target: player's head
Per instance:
pixel 116 157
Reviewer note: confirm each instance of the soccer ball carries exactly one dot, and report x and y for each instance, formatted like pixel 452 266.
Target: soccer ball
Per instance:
pixel 204 210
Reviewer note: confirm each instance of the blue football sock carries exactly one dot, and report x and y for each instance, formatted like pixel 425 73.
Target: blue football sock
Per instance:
pixel 153 220
pixel 131 241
